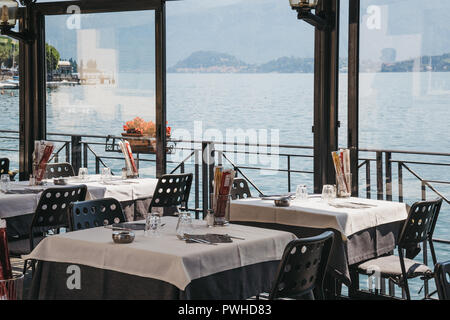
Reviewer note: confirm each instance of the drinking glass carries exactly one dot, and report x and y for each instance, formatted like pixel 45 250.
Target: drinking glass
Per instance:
pixel 152 224
pixel 5 182
pixel 301 192
pixel 106 174
pixel 184 224
pixel 83 174
pixel 328 192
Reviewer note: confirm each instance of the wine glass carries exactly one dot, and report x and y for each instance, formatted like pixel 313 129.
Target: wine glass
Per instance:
pixel 106 174
pixel 328 193
pixel 5 182
pixel 301 193
pixel 83 174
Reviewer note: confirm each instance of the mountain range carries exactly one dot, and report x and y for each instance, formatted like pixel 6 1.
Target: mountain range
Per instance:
pixel 257 31
pixel 216 62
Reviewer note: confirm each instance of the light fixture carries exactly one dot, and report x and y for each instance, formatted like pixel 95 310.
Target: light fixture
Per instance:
pixel 304 9
pixel 303 3
pixel 8 18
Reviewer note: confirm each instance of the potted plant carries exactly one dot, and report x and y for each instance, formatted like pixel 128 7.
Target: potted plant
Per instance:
pixel 139 128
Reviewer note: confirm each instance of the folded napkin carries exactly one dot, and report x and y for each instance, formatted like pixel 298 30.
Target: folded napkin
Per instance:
pixel 131 226
pixel 210 237
pixel 23 191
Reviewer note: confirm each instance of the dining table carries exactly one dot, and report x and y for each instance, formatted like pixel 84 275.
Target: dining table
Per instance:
pixel 158 265
pixel 18 204
pixel 364 228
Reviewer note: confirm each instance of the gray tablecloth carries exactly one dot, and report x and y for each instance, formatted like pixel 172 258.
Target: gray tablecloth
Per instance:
pixel 359 247
pixel 49 282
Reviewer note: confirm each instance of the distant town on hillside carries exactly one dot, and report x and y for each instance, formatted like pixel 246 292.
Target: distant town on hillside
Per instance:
pixel 216 62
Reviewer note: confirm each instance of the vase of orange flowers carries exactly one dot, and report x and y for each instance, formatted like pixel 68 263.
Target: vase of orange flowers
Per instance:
pixel 142 135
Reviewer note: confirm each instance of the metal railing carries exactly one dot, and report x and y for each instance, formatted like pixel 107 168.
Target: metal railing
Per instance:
pixel 204 155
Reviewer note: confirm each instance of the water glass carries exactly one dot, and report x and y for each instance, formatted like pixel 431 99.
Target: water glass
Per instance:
pixel 184 224
pixel 301 193
pixel 328 192
pixel 106 174
pixel 83 174
pixel 5 182
pixel 152 224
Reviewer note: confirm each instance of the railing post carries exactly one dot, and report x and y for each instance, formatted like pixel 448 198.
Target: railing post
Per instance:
pixel 388 164
pixel 289 172
pixel 205 187
pixel 97 165
pixel 368 182
pixel 76 153
pixel 67 152
pixel 85 155
pixel 211 164
pixel 197 185
pixel 400 182
pixel 379 175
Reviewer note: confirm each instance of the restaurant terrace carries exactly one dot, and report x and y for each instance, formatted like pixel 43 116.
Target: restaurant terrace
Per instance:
pixel 151 214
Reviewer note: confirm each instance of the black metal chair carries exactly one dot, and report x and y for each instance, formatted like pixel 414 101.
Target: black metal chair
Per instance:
pixel 95 213
pixel 442 278
pixel 4 165
pixel 418 227
pixel 51 214
pixel 58 170
pixel 172 190
pixel 302 269
pixel 240 189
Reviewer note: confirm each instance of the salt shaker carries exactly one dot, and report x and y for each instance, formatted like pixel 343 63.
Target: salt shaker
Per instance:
pixel 210 219
pixel 32 181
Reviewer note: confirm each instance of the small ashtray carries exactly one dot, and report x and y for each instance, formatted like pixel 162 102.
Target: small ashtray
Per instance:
pixel 60 181
pixel 123 236
pixel 282 202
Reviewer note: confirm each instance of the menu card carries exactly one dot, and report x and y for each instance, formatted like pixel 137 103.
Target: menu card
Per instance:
pixel 42 152
pixel 128 154
pixel 223 181
pixel 341 160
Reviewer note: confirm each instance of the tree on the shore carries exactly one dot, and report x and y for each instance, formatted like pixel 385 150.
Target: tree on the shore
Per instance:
pixel 9 52
pixel 52 58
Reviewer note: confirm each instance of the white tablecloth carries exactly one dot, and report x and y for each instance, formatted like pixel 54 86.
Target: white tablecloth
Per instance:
pixel 316 213
pixel 165 257
pixel 12 205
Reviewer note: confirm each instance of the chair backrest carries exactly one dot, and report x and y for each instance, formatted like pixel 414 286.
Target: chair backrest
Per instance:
pixel 4 165
pixel 302 267
pixel 420 224
pixel 95 213
pixel 172 190
pixel 442 278
pixel 57 170
pixel 240 189
pixel 52 211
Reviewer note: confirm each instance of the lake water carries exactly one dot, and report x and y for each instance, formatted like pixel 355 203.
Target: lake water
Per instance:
pixel 401 111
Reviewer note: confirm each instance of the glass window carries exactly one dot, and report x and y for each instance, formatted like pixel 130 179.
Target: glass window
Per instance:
pixel 101 75
pixel 242 72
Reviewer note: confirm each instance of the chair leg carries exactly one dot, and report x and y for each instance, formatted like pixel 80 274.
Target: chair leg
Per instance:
pixel 405 282
pixel 404 275
pixel 25 267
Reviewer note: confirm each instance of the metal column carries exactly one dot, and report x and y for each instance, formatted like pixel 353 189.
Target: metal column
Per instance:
pixel 326 75
pixel 32 82
pixel 160 57
pixel 353 91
